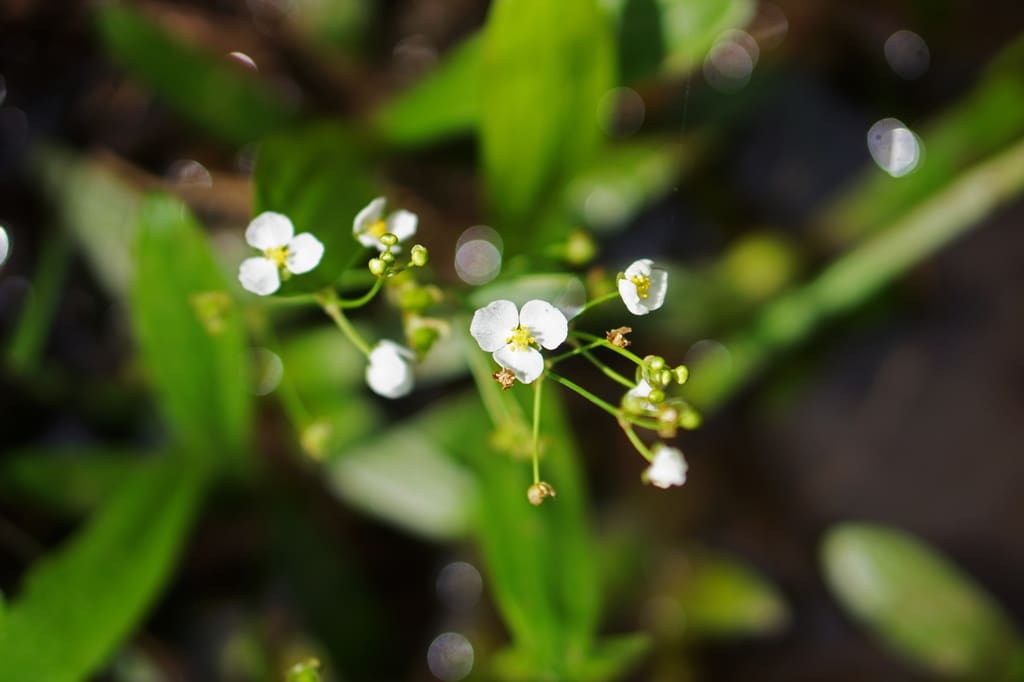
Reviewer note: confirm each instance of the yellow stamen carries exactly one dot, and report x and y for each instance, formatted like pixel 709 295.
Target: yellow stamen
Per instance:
pixel 278 255
pixel 377 229
pixel 643 284
pixel 520 339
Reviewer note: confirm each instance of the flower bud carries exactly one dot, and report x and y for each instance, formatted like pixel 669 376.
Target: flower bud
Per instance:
pixel 654 363
pixel 387 257
pixel 656 396
pixel 689 418
pixel 681 373
pixel 665 377
pixel 418 256
pixel 422 339
pixel 538 492
pixel 378 267
pixel 388 239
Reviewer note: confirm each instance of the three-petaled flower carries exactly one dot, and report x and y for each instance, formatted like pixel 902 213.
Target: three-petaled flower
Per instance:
pixel 668 467
pixel 515 336
pixel 284 253
pixel 642 286
pixel 389 373
pixel 370 225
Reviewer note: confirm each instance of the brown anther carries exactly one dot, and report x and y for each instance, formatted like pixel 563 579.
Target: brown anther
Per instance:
pixel 538 492
pixel 505 377
pixel 617 337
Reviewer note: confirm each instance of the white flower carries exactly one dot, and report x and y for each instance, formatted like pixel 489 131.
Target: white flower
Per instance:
pixel 370 225
pixel 639 394
pixel 643 286
pixel 389 373
pixel 513 335
pixel 668 467
pixel 284 253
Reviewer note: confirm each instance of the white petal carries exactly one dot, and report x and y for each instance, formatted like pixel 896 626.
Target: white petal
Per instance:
pixel 259 276
pixel 658 289
pixel 402 224
pixel 268 230
pixel 526 363
pixel 493 324
pixel 627 290
pixel 547 324
pixel 641 390
pixel 668 467
pixel 640 268
pixel 304 253
pixel 388 373
pixel 367 217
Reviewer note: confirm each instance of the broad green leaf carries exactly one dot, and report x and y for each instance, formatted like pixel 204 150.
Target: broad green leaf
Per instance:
pixel 190 334
pixel 78 604
pixel 721 597
pixel 920 605
pixel 318 177
pixel 545 67
pixel 73 480
pixel 981 124
pixel 445 102
pixel 228 101
pixel 96 207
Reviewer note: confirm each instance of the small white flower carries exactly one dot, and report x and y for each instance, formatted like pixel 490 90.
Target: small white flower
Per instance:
pixel 389 373
pixel 643 286
pixel 640 393
pixel 668 467
pixel 284 253
pixel 514 335
pixel 370 225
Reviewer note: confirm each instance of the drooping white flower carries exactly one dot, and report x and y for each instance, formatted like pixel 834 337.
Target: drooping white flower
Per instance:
pixel 513 336
pixel 284 253
pixel 643 286
pixel 370 225
pixel 668 468
pixel 389 373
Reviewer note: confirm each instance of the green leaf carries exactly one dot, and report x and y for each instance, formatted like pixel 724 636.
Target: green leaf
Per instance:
pixel 223 99
pixel 921 605
pixel 545 67
pixel 721 597
pixel 190 333
pixel 445 102
pixel 80 603
pixel 690 28
pixel 73 480
pixel 318 177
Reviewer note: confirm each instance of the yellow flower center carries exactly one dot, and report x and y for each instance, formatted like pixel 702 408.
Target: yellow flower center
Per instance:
pixel 643 284
pixel 377 229
pixel 520 339
pixel 278 255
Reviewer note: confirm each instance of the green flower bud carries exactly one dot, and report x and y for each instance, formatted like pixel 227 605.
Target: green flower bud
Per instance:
pixel 422 339
pixel 656 396
pixel 665 377
pixel 378 267
pixel 689 419
pixel 387 257
pixel 416 299
pixel 682 373
pixel 388 239
pixel 654 363
pixel 418 256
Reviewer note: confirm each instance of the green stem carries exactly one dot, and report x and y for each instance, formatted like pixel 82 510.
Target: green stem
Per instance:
pixel 330 306
pixel 572 386
pixel 597 301
pixel 552 361
pixel 536 429
pixel 627 428
pixel 608 371
pixel 364 299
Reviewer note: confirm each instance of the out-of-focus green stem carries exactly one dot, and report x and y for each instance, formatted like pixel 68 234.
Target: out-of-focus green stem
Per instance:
pixel 40 305
pixel 860 273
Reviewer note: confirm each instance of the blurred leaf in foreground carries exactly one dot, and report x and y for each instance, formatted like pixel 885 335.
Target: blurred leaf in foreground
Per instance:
pixel 317 177
pixel 545 67
pixel 78 605
pixel 191 339
pixel 226 101
pixel 921 606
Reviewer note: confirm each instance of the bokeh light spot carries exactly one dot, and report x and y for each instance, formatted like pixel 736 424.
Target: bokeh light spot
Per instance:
pixel 894 147
pixel 269 371
pixel 5 245
pixel 450 657
pixel 244 59
pixel 478 255
pixel 731 61
pixel 907 54
pixel 188 173
pixel 621 111
pixel 459 586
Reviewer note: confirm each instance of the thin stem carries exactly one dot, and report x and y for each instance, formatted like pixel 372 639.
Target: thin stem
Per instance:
pixel 536 429
pixel 605 343
pixel 597 301
pixel 298 299
pixel 364 299
pixel 608 371
pixel 568 354
pixel 330 306
pixel 627 428
pixel 572 386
